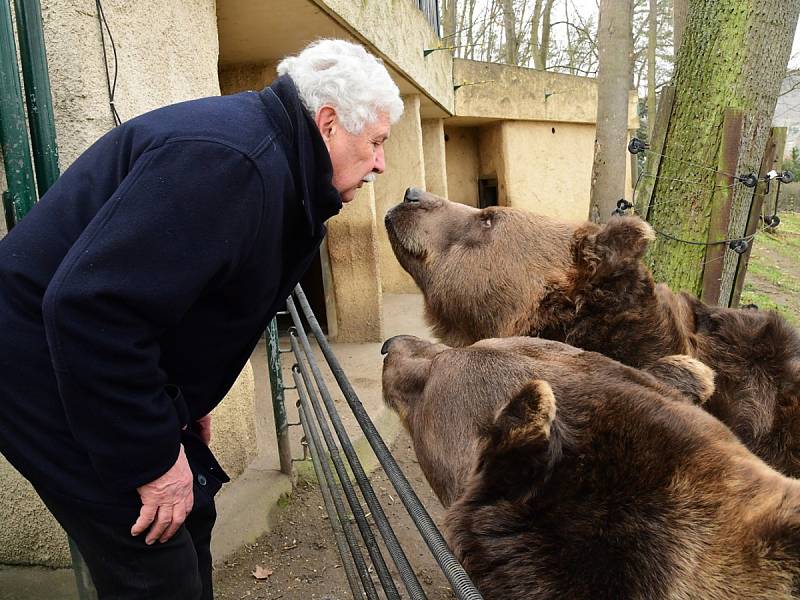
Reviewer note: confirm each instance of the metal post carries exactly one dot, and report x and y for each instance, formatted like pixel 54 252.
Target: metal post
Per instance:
pixel 772 155
pixel 721 204
pixel 13 133
pixel 37 92
pixel 278 405
pixel 83 579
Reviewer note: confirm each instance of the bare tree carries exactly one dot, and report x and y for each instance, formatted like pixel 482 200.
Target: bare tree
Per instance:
pixel 540 33
pixel 613 85
pixel 450 20
pixel 652 42
pixel 510 30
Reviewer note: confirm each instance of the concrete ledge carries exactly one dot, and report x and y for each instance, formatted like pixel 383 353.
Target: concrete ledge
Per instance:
pixel 246 510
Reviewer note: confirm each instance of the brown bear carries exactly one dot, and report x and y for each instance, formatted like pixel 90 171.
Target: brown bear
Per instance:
pixel 500 272
pixel 569 475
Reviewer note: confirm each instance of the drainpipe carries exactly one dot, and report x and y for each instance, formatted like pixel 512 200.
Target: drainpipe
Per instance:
pixel 20 197
pixel 37 92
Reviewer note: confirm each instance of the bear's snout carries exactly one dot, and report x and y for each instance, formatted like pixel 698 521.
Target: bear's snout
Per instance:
pixel 387 343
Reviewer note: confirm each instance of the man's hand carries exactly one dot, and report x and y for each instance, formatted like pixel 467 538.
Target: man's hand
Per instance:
pixel 166 502
pixel 203 428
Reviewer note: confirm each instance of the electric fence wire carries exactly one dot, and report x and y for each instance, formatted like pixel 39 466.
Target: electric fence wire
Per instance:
pixel 112 86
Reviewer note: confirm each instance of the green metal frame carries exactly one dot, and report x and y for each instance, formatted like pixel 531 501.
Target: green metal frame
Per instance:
pixel 278 401
pixel 37 93
pixel 13 132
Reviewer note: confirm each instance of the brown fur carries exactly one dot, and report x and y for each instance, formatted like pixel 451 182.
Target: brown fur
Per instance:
pixel 569 475
pixel 502 272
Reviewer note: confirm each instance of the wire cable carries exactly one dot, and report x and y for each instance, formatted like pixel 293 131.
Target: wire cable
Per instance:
pixel 112 87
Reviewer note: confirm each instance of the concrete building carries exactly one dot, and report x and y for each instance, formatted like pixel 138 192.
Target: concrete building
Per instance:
pixel 475 132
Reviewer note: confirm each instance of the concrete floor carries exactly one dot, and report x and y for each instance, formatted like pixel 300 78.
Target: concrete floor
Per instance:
pixel 245 506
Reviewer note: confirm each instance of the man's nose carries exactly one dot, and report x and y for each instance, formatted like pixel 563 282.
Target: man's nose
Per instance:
pixel 413 195
pixel 380 161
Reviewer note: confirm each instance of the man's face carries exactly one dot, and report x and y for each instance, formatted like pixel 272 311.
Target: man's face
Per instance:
pixel 354 156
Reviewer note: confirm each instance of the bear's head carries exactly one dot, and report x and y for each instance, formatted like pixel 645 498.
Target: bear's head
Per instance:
pixel 448 397
pixel 762 349
pixel 498 271
pixel 569 475
pixel 484 271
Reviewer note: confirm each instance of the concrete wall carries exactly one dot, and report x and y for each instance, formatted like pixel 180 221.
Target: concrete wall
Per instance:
pixel 352 244
pixel 544 167
pixel 493 158
pixel 405 167
pixel 549 167
pixel 433 149
pixel 463 164
pixel 237 78
pixel 183 67
pixel 398 30
pixel 495 91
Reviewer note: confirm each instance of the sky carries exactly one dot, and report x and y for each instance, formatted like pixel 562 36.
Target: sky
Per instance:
pixel 586 7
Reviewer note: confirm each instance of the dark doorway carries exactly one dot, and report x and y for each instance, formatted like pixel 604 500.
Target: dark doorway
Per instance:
pixel 487 192
pixel 314 289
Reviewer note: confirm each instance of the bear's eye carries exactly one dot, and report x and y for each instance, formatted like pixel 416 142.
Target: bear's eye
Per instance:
pixel 486 222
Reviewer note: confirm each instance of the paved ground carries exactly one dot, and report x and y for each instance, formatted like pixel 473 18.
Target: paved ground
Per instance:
pixel 300 552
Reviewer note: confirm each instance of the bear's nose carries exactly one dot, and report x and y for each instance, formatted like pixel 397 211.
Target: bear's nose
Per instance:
pixel 387 343
pixel 413 195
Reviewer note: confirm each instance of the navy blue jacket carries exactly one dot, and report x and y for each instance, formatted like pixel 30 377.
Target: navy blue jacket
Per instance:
pixel 148 272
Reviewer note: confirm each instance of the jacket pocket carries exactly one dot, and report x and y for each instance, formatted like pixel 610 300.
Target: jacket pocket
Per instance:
pixel 208 474
pixel 179 402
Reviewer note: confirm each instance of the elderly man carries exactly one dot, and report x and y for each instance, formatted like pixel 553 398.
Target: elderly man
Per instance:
pixel 133 294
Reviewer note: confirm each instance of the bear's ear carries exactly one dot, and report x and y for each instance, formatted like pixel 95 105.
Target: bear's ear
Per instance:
pixel 689 376
pixel 790 386
pixel 514 448
pixel 526 418
pixel 606 248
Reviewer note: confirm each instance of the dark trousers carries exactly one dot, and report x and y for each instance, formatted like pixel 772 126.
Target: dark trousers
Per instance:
pixel 125 568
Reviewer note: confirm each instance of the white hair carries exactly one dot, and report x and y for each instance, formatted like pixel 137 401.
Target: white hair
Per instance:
pixel 346 77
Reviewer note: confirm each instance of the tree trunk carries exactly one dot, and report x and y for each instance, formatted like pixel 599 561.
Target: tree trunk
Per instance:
pixel 534 42
pixel 613 84
pixel 450 18
pixel 680 9
pixel 509 25
pixel 733 55
pixel 652 42
pixel 544 44
pixel 540 33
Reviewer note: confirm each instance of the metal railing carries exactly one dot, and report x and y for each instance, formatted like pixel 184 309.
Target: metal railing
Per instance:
pixel 430 9
pixel 311 387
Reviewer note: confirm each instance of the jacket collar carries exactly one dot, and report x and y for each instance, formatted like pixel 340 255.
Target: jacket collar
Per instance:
pixel 308 156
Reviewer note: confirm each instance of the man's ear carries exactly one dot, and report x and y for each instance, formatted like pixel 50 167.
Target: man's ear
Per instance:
pixel 599 251
pixel 327 122
pixel 688 375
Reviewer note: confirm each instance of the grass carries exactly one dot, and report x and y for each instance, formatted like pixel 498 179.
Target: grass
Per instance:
pixel 773 275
